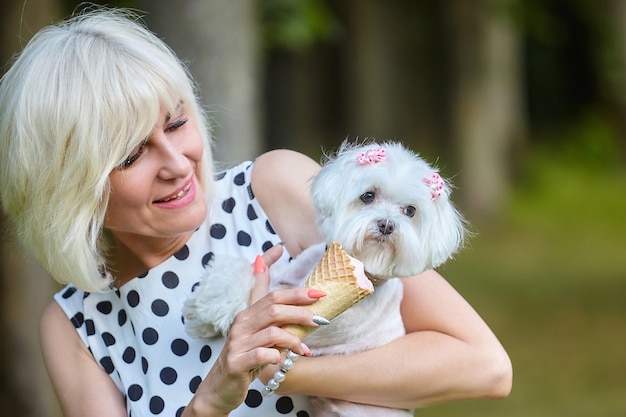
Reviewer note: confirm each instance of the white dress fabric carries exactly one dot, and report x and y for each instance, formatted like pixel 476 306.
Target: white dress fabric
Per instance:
pixel 136 332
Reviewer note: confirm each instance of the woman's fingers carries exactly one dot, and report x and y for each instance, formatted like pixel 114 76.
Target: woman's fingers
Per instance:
pixel 261 272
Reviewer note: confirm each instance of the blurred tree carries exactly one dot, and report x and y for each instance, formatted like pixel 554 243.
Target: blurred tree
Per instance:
pixel 615 70
pixel 220 39
pixel 24 287
pixel 486 102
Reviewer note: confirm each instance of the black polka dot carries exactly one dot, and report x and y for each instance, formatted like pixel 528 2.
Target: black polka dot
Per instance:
pixel 143 275
pixel 194 384
pixel 69 292
pixel 144 365
pixel 254 398
pixel 157 405
pixel 170 280
pixel 160 308
pixel 205 353
pixel 129 355
pixel 150 336
pixel 252 213
pixel 180 347
pixel 168 375
pixel 218 231
pixel 182 254
pixel 243 239
pixel 240 179
pixel 302 413
pixel 269 227
pixel 107 364
pixel 228 205
pixel 90 327
pixel 207 258
pixel 180 411
pixel 133 298
pixel 105 307
pixel 135 392
pixel 284 405
pixel 78 320
pixel 108 339
pixel 121 317
pixel 220 176
pixel 267 245
pixel 250 193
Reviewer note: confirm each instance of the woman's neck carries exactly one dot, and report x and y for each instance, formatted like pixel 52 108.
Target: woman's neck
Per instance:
pixel 133 255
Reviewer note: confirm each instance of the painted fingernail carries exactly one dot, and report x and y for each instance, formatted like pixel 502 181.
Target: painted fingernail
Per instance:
pixel 259 265
pixel 305 349
pixel 316 294
pixel 317 319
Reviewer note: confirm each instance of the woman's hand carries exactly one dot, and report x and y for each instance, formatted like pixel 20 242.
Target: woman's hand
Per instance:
pixel 254 341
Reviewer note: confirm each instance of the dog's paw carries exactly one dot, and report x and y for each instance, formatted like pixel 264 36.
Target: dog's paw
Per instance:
pixel 222 293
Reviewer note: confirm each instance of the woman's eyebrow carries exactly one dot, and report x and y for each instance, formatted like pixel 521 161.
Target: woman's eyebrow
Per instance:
pixel 178 110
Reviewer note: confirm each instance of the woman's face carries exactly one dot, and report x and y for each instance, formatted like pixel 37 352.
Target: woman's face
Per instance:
pixel 157 192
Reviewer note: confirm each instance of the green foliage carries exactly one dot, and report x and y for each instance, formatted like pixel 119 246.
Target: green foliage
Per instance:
pixel 588 144
pixel 297 24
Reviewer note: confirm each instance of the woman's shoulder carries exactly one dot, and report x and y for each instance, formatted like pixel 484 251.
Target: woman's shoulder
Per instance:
pixel 69 305
pixel 281 180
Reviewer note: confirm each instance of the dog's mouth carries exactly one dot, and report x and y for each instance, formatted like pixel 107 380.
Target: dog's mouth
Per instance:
pixel 376 281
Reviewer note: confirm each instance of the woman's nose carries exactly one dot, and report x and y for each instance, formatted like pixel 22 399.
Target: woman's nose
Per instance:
pixel 174 162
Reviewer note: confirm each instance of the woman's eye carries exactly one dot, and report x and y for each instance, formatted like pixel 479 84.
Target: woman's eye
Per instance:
pixel 133 156
pixel 178 123
pixel 368 197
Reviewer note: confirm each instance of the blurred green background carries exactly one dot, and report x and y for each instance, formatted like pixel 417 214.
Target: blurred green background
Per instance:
pixel 521 102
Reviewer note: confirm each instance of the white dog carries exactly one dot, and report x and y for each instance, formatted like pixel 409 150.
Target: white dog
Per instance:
pixel 388 208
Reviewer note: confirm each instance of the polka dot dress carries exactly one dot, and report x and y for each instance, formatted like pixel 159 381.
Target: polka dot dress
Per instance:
pixel 136 332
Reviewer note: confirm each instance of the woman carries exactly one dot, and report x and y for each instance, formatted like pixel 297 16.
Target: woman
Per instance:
pixel 107 176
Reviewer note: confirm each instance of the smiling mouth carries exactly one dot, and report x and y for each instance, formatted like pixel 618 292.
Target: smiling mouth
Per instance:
pixel 176 196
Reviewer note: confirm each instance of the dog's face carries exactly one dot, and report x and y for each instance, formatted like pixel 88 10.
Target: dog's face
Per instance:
pixel 388 208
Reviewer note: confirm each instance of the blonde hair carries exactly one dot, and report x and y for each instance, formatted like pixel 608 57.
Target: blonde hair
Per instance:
pixel 80 96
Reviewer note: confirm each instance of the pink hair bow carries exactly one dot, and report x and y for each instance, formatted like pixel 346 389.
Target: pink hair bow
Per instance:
pixel 436 184
pixel 372 156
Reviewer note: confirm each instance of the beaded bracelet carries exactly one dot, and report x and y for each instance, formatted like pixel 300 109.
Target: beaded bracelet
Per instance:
pixel 280 375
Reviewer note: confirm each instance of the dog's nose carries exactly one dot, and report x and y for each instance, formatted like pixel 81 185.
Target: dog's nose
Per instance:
pixel 385 226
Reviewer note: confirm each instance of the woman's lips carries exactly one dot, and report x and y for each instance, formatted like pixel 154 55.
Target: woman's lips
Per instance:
pixel 179 198
pixel 176 196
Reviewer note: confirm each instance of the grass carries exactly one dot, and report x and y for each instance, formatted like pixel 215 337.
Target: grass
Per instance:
pixel 550 279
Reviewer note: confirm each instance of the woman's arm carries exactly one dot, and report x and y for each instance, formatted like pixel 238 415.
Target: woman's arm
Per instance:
pixel 281 181
pixel 81 385
pixel 449 353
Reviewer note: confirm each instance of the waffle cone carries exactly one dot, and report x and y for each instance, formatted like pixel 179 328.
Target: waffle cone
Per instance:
pixel 334 274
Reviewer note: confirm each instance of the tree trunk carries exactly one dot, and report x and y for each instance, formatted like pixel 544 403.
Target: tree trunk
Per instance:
pixel 486 109
pixel 219 38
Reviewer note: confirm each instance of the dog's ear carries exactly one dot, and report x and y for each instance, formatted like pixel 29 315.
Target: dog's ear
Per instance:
pixel 445 231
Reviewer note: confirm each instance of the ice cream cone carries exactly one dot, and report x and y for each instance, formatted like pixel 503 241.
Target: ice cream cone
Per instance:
pixel 334 274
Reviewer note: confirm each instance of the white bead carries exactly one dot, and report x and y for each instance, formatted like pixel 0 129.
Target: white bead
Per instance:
pixel 292 356
pixel 267 392
pixel 279 376
pixel 286 365
pixel 273 384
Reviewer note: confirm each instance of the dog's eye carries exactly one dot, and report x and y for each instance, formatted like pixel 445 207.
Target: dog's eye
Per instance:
pixel 368 197
pixel 409 211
